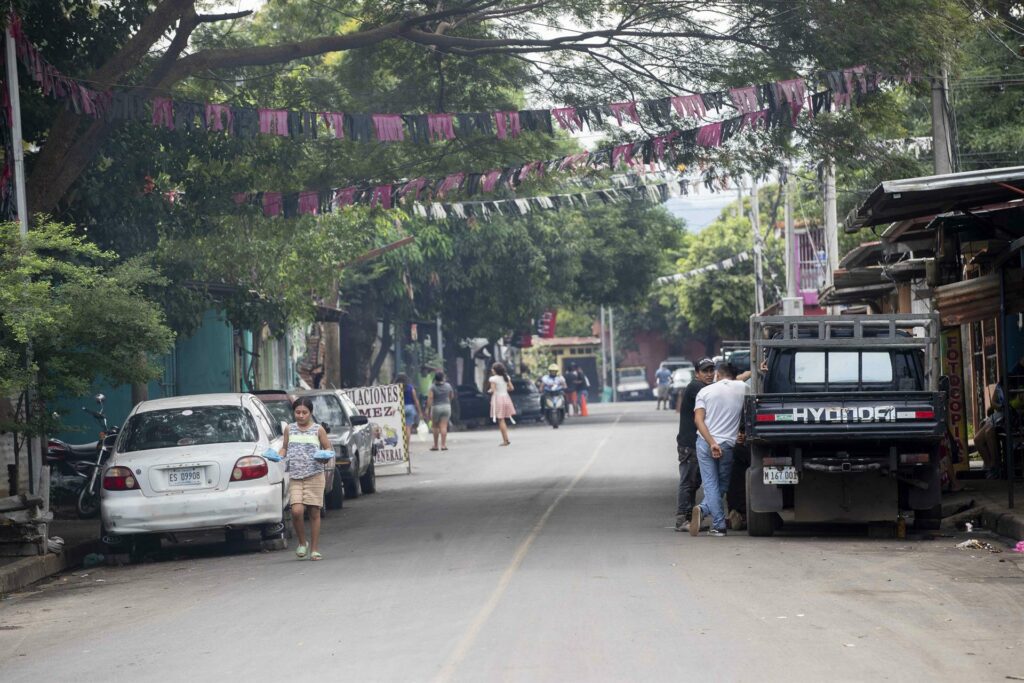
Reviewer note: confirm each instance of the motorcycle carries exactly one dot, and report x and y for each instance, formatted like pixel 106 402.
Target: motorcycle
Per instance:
pixel 84 462
pixel 553 405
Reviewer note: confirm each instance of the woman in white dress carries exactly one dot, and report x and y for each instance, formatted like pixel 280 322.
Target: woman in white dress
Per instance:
pixel 501 403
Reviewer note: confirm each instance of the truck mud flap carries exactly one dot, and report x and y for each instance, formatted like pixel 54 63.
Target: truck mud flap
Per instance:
pixel 763 497
pixel 926 499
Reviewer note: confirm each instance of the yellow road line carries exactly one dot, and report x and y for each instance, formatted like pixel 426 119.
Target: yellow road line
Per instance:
pixel 471 634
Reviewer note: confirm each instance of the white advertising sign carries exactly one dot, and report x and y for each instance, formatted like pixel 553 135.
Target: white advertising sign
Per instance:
pixel 383 405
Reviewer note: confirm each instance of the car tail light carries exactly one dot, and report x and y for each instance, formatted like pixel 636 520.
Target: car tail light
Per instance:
pixel 120 479
pixel 249 467
pixel 777 462
pixel 914 458
pixel 924 414
pixel 766 417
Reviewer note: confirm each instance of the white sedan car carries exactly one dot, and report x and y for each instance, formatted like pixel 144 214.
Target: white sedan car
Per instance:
pixel 194 463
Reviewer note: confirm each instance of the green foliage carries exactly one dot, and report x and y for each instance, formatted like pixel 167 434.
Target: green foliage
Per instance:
pixel 84 314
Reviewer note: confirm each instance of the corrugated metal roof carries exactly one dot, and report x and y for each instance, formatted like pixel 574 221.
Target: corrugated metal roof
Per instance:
pixel 896 200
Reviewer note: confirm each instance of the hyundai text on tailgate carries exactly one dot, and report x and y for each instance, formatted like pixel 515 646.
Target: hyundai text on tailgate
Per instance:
pixel 844 421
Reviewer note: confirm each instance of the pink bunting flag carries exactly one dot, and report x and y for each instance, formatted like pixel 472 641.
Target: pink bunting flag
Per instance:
pixel 271 204
pixel 345 196
pixel 335 121
pixel 755 119
pixel 567 118
pixel 381 197
pixel 451 182
pixel 163 112
pixel 659 144
pixel 857 72
pixel 490 180
pixel 791 91
pixel 507 124
pixel 710 135
pixel 309 202
pixel 388 127
pixel 274 121
pixel 440 127
pixel 623 153
pixel 216 114
pixel 415 186
pixel 627 108
pixel 744 99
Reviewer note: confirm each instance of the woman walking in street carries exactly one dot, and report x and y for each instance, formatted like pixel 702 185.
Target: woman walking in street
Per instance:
pixel 412 404
pixel 302 440
pixel 501 403
pixel 439 408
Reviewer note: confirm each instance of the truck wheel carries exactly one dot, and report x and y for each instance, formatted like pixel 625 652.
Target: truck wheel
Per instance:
pixel 335 498
pixel 928 520
pixel 352 487
pixel 759 523
pixel 369 480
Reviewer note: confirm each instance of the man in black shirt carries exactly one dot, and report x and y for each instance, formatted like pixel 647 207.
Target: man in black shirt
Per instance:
pixel 686 443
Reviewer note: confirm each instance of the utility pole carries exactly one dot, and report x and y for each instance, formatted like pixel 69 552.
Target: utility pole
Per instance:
pixel 792 304
pixel 440 343
pixel 739 197
pixel 755 222
pixel 831 224
pixel 942 146
pixel 16 145
pixel 604 366
pixel 611 330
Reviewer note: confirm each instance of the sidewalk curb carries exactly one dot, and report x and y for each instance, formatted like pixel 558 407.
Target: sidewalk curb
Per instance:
pixel 1008 524
pixel 28 570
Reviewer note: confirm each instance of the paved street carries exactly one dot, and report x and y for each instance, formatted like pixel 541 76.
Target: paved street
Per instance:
pixel 551 560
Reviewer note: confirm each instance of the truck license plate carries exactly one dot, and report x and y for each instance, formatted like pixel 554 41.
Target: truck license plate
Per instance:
pixel 781 475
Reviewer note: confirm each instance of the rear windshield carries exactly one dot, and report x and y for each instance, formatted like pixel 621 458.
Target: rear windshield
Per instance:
pixel 279 410
pixel 842 367
pixel 188 427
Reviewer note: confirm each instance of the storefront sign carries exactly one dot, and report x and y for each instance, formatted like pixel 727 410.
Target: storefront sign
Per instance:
pixel 382 404
pixel 953 368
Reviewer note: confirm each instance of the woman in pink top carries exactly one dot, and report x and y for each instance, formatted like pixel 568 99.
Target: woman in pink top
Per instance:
pixel 501 403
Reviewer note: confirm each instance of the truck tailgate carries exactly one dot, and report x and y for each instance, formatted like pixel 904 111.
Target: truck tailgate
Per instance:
pixel 845 415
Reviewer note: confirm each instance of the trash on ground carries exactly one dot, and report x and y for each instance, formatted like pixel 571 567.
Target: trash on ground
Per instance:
pixel 975 544
pixel 92 560
pixel 1019 548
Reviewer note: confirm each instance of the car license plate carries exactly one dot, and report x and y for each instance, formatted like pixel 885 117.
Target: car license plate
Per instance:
pixel 781 475
pixel 185 476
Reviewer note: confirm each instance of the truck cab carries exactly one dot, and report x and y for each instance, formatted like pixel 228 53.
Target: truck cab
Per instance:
pixel 844 420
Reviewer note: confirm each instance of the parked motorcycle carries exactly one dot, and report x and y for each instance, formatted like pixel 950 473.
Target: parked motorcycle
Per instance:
pixel 85 461
pixel 553 405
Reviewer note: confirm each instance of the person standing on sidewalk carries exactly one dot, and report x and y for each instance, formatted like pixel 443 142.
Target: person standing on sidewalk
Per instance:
pixel 717 413
pixel 664 379
pixel 686 442
pixel 302 440
pixel 439 408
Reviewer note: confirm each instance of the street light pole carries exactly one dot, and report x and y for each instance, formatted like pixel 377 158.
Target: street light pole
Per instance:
pixel 604 365
pixel 611 330
pixel 755 223
pixel 16 145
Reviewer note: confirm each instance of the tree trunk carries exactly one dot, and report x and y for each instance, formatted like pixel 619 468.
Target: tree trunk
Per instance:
pixel 386 340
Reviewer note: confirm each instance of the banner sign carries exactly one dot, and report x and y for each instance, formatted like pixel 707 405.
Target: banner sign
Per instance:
pixel 546 324
pixel 382 405
pixel 953 368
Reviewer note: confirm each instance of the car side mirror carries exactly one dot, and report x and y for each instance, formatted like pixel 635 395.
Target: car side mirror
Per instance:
pixel 359 420
pixel 284 427
pixel 327 427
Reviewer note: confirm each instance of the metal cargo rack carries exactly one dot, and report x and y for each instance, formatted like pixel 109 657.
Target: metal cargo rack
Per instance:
pixel 888 331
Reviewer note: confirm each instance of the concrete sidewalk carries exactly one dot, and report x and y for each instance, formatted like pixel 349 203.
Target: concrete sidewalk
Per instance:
pixel 984 501
pixel 81 537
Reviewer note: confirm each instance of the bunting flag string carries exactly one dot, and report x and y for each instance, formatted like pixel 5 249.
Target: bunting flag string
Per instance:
pixel 724 264
pixel 844 87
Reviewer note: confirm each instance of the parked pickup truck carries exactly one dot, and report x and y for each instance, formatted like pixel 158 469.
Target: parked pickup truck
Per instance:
pixel 845 424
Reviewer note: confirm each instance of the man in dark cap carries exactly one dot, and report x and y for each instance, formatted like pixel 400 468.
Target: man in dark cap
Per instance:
pixel 686 443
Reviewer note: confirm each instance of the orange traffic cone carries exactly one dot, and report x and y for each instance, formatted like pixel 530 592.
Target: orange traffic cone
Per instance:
pixel 583 406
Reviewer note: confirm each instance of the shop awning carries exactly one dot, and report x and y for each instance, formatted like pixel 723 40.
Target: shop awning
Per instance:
pixel 896 200
pixel 978 299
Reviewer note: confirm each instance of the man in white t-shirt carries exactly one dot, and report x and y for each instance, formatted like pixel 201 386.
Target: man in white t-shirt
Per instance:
pixel 717 413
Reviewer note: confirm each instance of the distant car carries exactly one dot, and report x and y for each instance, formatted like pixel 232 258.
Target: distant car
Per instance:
pixel 674 363
pixel 526 399
pixel 474 405
pixel 194 463
pixel 351 435
pixel 278 402
pixel 633 385
pixel 680 378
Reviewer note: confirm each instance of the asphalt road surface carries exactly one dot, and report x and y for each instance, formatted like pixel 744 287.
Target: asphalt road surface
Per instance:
pixel 551 560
